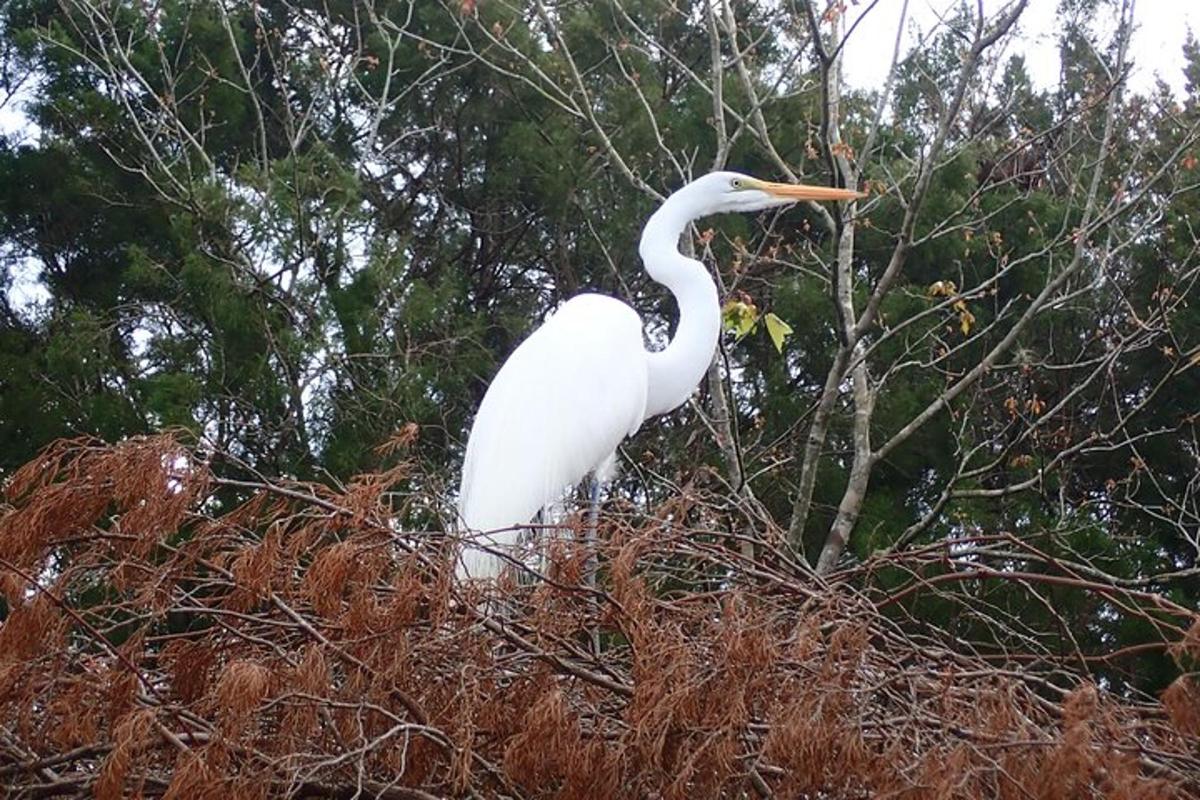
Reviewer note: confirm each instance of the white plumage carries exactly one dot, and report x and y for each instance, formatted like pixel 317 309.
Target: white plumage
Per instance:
pixel 583 381
pixel 545 398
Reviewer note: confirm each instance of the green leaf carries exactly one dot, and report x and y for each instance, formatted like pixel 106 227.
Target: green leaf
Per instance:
pixel 778 330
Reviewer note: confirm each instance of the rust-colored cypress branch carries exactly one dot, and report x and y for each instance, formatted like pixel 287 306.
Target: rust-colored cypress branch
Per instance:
pixel 299 644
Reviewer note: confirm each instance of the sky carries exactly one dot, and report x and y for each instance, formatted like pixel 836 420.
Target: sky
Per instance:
pixel 1160 27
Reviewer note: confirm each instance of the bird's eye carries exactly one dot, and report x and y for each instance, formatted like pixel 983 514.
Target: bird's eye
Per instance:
pixel 737 183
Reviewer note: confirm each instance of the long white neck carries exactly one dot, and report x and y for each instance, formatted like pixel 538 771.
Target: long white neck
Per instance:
pixel 675 371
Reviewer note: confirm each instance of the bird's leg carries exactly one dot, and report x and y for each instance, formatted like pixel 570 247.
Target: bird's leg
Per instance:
pixel 591 564
pixel 592 517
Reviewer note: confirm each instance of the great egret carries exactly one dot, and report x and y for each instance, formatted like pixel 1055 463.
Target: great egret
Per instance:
pixel 583 381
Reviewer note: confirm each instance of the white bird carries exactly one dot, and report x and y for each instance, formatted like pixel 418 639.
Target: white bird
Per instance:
pixel 583 381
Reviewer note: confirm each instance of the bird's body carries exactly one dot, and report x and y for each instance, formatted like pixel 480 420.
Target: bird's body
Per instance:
pixel 566 397
pixel 593 396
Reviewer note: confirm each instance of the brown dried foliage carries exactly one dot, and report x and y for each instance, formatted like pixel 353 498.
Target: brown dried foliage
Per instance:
pixel 299 646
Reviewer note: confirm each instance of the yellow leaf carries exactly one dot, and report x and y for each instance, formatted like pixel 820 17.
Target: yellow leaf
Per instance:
pixel 739 317
pixel 942 288
pixel 778 330
pixel 965 318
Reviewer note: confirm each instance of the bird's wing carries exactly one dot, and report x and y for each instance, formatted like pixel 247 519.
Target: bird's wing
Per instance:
pixel 559 406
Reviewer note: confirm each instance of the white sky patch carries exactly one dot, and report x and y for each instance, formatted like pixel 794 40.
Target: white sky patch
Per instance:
pixel 26 291
pixel 1161 27
pixel 140 340
pixel 179 469
pixel 14 122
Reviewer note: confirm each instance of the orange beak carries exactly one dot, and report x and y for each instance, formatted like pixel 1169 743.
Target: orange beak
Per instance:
pixel 800 191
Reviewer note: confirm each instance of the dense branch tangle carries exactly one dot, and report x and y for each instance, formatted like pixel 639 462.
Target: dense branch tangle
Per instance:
pixel 977 426
pixel 880 341
pixel 1024 224
pixel 299 643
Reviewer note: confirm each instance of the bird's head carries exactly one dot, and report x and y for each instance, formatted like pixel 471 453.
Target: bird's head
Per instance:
pixel 720 192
